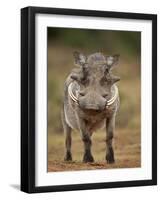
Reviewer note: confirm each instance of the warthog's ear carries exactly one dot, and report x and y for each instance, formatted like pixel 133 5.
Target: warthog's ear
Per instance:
pixel 79 58
pixel 112 60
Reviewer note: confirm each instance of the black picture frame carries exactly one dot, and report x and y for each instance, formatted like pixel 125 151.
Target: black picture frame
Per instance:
pixel 28 98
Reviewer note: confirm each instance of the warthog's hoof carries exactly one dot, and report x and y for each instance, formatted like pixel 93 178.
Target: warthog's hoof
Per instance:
pixel 110 156
pixel 88 158
pixel 68 156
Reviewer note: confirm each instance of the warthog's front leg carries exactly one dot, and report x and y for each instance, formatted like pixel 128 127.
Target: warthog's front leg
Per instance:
pixel 68 142
pixel 110 126
pixel 86 138
pixel 68 139
pixel 87 148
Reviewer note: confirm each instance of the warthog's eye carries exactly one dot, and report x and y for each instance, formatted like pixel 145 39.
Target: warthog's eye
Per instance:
pixel 105 95
pixel 103 80
pixel 84 81
pixel 75 77
pixel 81 93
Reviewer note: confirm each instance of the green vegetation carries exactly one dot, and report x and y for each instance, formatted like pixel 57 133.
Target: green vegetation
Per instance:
pixel 97 40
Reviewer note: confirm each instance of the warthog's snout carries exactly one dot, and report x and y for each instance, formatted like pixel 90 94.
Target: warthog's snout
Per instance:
pixel 92 101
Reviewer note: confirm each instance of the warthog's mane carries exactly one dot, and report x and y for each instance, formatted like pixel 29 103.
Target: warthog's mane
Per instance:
pixel 96 58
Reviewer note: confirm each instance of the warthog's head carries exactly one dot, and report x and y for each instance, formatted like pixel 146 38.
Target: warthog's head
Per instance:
pixel 95 80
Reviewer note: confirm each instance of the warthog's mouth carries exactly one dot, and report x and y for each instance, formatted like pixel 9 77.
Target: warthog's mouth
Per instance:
pixel 109 102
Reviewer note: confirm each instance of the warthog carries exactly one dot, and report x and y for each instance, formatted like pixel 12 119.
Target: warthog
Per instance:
pixel 91 101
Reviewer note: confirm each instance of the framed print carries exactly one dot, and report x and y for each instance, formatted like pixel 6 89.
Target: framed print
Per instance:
pixel 88 99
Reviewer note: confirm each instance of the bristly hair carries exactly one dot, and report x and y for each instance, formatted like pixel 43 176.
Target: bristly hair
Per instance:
pixel 96 58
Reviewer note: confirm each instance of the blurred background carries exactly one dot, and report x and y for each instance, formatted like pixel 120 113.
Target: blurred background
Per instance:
pixel 62 42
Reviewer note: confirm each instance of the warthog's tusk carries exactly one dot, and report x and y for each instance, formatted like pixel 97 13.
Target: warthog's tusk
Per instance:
pixel 70 92
pixel 113 99
pixel 109 102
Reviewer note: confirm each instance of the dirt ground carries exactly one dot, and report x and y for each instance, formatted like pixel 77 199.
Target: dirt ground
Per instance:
pixel 126 147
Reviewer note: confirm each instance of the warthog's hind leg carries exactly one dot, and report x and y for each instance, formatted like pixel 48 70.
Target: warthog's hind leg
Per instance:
pixel 110 125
